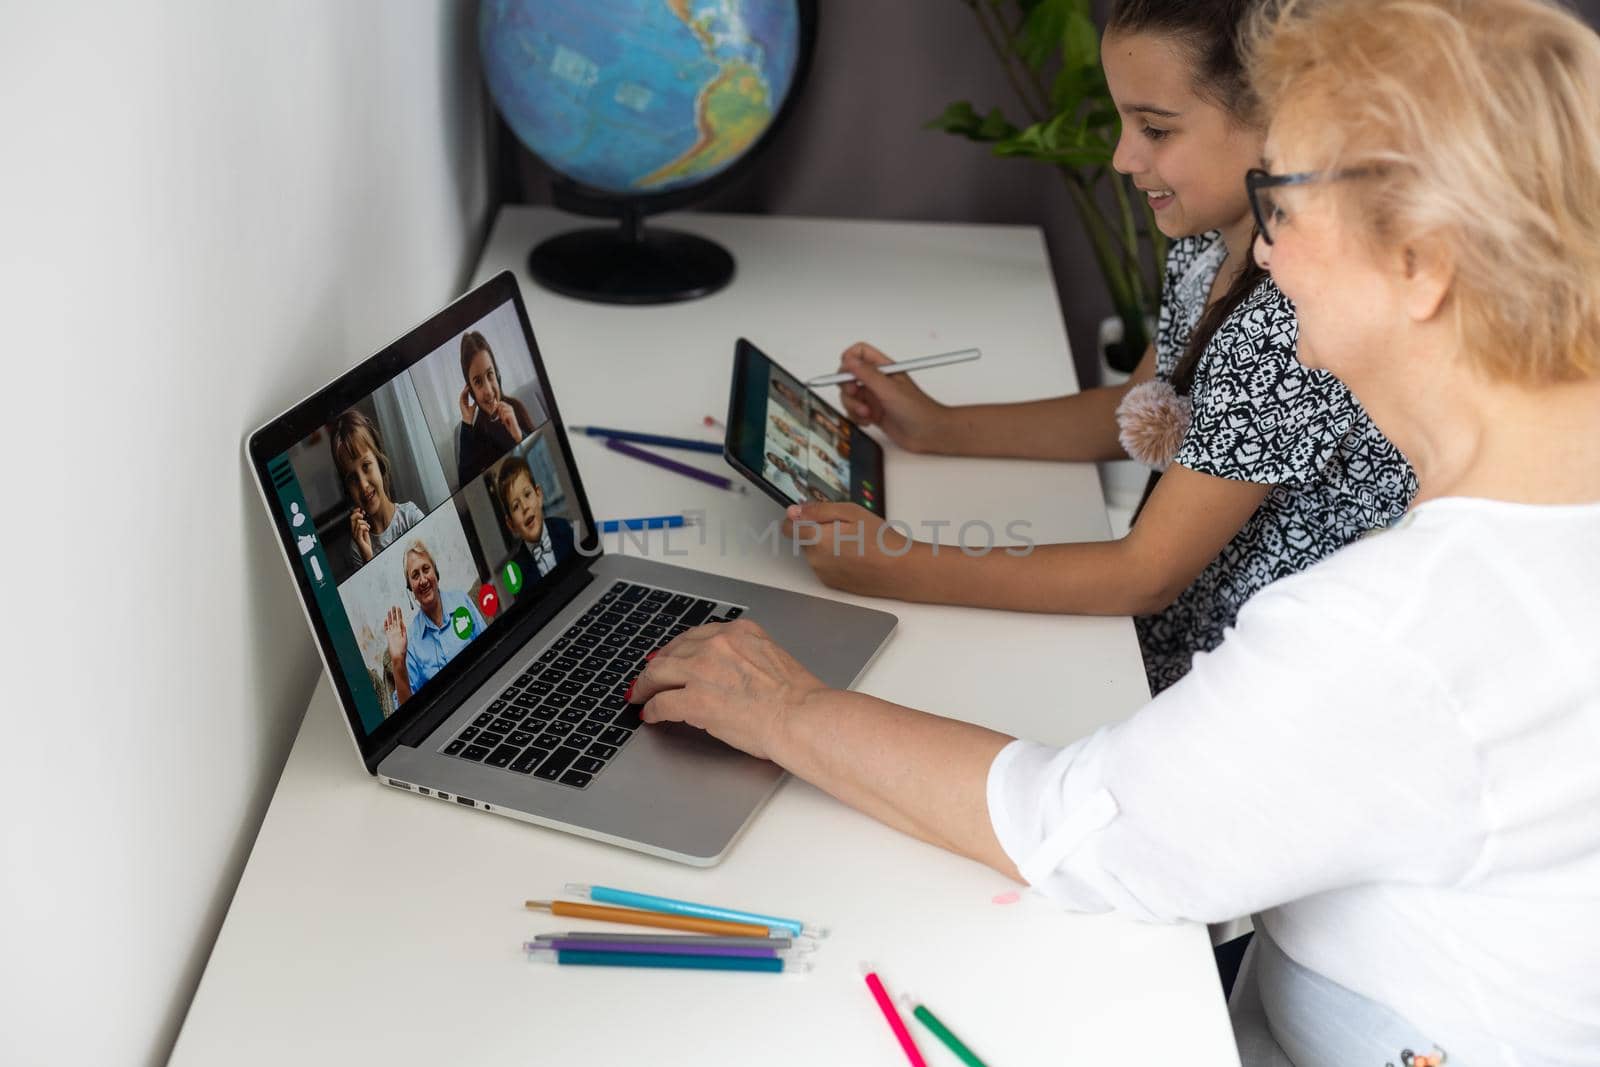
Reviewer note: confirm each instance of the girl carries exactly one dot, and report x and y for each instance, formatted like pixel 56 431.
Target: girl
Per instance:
pixel 376 519
pixel 1391 758
pixel 1277 467
pixel 491 423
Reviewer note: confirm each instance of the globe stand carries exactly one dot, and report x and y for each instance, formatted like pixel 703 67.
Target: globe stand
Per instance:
pixel 629 265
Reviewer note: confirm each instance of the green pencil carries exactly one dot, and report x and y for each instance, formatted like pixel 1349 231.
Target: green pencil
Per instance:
pixel 942 1032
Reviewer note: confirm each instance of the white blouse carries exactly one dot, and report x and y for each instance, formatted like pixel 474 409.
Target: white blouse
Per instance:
pixel 1395 757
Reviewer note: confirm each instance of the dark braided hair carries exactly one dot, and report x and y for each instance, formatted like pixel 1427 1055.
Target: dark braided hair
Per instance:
pixel 1208 31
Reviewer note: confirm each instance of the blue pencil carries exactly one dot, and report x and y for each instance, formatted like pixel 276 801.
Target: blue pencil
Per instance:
pixel 570 958
pixel 649 522
pixel 605 894
pixel 688 444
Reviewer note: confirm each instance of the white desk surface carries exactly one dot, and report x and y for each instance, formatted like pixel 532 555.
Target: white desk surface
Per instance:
pixel 375 927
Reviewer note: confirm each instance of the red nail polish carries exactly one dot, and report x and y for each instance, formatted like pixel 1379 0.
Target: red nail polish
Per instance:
pixel 650 655
pixel 628 696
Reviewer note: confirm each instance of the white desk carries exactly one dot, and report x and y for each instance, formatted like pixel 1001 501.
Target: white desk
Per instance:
pixel 375 927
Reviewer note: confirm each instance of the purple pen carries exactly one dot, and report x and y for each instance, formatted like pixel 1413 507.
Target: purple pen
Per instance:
pixel 673 465
pixel 570 945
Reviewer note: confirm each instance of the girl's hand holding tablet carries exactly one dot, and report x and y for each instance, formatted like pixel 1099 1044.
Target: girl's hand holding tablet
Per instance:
pixel 871 558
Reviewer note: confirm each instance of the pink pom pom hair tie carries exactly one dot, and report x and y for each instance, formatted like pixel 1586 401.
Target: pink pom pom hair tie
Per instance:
pixel 1152 421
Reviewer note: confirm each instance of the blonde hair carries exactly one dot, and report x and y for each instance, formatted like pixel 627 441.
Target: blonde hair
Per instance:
pixel 1478 123
pixel 417 547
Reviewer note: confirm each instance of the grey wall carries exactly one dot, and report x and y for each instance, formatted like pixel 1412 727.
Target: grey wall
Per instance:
pixel 855 148
pixel 209 210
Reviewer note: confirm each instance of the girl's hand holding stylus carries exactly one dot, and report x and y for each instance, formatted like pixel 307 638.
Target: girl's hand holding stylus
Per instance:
pixel 912 419
pixel 361 533
pixel 468 412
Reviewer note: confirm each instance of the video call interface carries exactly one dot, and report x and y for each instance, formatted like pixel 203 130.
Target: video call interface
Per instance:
pixel 426 510
pixel 806 448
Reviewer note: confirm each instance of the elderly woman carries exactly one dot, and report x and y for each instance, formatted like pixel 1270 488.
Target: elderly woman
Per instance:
pixel 444 622
pixel 1414 724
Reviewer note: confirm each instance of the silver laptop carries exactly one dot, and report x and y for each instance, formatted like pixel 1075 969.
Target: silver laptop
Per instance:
pixel 479 638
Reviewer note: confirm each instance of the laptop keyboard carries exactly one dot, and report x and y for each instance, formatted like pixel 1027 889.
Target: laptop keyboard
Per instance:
pixel 565 717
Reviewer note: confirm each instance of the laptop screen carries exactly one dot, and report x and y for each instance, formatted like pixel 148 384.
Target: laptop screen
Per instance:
pixel 428 496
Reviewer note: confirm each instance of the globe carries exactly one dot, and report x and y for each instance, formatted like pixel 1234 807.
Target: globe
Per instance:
pixel 642 106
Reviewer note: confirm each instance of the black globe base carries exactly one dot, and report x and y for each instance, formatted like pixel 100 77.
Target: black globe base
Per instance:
pixel 631 265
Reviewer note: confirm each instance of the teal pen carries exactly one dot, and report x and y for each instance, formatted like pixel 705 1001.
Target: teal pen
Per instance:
pixel 572 958
pixel 606 895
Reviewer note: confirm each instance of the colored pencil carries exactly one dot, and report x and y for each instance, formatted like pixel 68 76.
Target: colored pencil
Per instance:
pixel 604 894
pixel 673 465
pixel 646 918
pixel 663 440
pixel 892 1017
pixel 921 1013
pixel 600 944
pixel 632 938
pixel 658 959
pixel 649 522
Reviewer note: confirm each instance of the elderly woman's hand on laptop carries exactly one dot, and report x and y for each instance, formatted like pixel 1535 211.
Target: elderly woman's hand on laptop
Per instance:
pixel 730 680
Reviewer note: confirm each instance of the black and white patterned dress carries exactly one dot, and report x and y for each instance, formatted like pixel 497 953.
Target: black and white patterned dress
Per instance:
pixel 1260 416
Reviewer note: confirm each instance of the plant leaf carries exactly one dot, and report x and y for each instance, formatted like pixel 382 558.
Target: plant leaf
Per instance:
pixel 960 118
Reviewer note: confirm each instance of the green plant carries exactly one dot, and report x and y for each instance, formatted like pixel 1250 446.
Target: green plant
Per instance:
pixel 1050 50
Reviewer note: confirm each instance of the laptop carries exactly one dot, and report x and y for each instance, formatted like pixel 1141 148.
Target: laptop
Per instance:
pixel 479 637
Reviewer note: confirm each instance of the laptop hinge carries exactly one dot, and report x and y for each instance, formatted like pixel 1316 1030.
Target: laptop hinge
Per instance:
pixel 504 648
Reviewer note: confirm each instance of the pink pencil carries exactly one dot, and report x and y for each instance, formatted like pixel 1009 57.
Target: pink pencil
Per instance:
pixel 892 1016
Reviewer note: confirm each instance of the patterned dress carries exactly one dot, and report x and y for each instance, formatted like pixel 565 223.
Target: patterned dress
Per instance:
pixel 1260 416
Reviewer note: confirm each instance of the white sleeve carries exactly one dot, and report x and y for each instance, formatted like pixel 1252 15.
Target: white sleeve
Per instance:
pixel 1301 756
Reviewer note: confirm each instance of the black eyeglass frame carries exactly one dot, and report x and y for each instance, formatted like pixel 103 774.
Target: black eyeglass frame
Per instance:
pixel 1256 179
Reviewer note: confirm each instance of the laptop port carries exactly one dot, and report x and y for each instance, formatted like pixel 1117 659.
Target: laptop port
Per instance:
pixel 468 803
pixel 424 790
pixel 402 785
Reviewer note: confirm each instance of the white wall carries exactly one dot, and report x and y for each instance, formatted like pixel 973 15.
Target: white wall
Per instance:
pixel 206 210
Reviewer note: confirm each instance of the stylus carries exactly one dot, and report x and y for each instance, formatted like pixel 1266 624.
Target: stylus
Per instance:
pixel 662 440
pixel 943 359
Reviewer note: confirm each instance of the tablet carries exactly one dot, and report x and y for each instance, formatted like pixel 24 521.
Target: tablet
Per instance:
pixel 792 443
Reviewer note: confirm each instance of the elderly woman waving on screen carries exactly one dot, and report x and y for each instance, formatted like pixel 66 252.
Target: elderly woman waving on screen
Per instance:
pixel 1414 723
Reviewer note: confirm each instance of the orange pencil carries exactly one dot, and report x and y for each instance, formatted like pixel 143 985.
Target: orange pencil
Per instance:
pixel 647 918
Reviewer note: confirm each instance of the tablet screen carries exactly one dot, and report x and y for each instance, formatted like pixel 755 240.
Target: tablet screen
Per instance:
pixel 793 443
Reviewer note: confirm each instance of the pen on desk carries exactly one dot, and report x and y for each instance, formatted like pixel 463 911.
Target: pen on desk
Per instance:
pixel 661 959
pixel 939 1030
pixel 801 944
pixel 688 444
pixel 648 918
pixel 601 944
pixel 647 522
pixel 943 359
pixel 673 465
pixel 605 894
pixel 892 1017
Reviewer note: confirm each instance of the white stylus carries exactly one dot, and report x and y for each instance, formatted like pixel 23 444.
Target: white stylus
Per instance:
pixel 943 359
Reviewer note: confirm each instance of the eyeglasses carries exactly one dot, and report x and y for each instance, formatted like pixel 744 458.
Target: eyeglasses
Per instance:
pixel 1264 206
